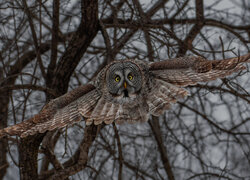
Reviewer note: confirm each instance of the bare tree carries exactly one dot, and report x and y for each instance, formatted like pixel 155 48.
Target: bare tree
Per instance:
pixel 48 48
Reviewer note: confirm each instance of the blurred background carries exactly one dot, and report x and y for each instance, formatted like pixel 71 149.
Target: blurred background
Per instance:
pixel 50 47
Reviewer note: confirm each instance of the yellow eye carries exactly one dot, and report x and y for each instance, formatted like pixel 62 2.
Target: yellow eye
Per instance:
pixel 130 77
pixel 117 78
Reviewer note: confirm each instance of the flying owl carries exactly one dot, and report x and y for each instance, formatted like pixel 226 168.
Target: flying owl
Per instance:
pixel 127 91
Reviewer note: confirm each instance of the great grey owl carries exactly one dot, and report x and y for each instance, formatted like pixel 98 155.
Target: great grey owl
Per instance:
pixel 127 91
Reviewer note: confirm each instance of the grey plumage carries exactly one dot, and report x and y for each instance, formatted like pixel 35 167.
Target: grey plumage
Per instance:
pixel 127 91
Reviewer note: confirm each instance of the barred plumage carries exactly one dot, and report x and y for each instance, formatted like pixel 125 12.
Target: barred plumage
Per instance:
pixel 127 91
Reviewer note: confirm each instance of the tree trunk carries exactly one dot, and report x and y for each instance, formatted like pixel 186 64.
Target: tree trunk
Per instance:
pixel 28 152
pixel 4 99
pixel 87 30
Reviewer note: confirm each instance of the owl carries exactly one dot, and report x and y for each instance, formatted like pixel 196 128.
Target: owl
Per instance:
pixel 127 91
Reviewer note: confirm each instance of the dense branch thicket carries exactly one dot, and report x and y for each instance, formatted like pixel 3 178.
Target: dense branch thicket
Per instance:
pixel 50 47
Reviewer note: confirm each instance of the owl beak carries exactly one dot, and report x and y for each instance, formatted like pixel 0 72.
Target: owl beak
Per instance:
pixel 125 85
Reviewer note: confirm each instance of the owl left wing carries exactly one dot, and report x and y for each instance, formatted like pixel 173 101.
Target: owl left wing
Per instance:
pixel 189 70
pixel 58 113
pixel 170 75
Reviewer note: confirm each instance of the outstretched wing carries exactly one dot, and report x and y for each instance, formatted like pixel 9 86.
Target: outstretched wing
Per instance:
pixel 189 70
pixel 58 113
pixel 162 95
pixel 170 75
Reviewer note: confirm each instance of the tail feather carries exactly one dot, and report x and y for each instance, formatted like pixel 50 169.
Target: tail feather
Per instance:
pixel 132 115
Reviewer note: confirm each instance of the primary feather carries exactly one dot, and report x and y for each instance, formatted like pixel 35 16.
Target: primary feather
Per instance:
pixel 142 89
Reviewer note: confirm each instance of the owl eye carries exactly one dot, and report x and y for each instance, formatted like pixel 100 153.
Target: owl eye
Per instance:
pixel 130 77
pixel 117 78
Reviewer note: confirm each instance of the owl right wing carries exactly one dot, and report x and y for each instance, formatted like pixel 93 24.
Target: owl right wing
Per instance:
pixel 170 75
pixel 190 70
pixel 58 113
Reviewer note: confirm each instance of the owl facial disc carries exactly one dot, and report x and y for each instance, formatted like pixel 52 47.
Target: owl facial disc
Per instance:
pixel 124 79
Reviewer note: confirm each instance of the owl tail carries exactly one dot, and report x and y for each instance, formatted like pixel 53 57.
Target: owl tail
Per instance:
pixel 163 95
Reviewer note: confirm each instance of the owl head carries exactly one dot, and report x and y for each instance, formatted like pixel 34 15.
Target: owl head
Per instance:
pixel 124 79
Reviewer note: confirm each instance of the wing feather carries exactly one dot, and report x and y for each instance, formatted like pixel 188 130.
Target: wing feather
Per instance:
pixel 190 70
pixel 163 94
pixel 58 113
pixel 109 112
